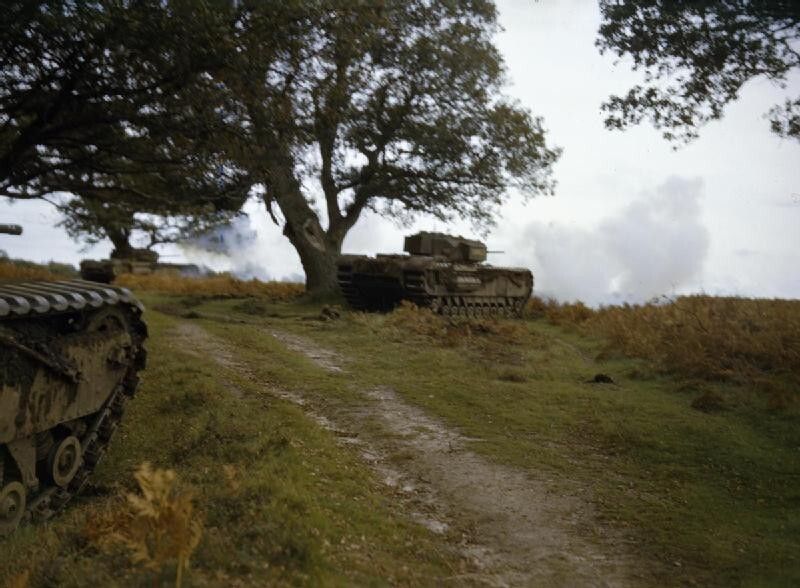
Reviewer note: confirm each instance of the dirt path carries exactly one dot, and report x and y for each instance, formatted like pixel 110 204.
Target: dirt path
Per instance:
pixel 513 529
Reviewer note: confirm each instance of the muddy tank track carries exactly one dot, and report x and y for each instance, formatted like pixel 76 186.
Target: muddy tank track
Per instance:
pixel 33 314
pixel 448 305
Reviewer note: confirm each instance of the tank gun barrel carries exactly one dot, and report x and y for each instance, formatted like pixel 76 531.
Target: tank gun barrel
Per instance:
pixel 10 229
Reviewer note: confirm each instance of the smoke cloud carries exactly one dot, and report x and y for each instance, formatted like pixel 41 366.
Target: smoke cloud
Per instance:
pixel 250 246
pixel 655 245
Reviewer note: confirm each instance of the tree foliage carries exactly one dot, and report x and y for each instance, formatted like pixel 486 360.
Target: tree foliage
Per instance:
pixel 107 99
pixel 696 57
pixel 91 221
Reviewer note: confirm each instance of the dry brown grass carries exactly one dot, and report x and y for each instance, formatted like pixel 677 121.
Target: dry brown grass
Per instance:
pixel 756 342
pixel 14 272
pixel 219 285
pixel 558 313
pixel 21 580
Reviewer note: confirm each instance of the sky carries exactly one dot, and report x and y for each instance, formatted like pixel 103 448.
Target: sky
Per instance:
pixel 631 219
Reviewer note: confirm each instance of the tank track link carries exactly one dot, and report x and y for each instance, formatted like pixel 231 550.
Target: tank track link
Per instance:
pixel 40 298
pixel 29 305
pixel 344 275
pixel 477 306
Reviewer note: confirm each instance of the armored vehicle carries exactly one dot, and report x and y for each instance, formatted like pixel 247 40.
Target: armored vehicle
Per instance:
pixel 69 356
pixel 443 272
pixel 139 261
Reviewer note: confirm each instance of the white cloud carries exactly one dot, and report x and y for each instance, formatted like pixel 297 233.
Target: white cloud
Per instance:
pixel 655 245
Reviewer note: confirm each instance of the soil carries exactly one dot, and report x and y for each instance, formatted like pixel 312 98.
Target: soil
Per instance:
pixel 510 527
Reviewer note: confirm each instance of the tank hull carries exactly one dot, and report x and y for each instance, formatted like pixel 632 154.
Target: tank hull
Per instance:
pixel 459 289
pixel 70 352
pixel 105 271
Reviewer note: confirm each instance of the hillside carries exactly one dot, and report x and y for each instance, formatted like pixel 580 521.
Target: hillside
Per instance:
pixel 639 446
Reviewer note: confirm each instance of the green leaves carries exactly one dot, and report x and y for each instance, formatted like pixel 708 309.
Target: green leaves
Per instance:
pixel 696 57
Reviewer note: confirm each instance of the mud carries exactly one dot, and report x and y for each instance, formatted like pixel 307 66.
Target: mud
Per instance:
pixel 511 527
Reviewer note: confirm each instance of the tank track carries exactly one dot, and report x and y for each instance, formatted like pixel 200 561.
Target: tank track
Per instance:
pixel 28 305
pixel 477 306
pixel 344 274
pixel 454 305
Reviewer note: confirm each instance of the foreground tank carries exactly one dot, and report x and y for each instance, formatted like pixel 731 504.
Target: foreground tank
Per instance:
pixel 443 272
pixel 69 353
pixel 138 262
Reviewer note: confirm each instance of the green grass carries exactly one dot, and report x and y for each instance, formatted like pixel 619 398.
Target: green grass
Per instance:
pixel 300 510
pixel 707 498
pixel 710 499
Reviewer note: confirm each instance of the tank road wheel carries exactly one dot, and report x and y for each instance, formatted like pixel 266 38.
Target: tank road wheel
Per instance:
pixel 12 507
pixel 109 319
pixel 64 461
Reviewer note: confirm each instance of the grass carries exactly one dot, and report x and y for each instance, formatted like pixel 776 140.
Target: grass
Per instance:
pixel 705 498
pixel 709 498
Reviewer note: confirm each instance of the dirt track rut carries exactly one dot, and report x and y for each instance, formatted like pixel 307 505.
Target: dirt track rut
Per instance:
pixel 511 528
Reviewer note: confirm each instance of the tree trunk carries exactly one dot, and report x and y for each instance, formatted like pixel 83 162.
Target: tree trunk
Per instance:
pixel 318 254
pixel 121 240
pixel 318 249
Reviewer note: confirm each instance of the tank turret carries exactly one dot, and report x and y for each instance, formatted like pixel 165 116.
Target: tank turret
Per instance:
pixel 135 254
pixel 71 353
pixel 443 272
pixel 455 249
pixel 10 229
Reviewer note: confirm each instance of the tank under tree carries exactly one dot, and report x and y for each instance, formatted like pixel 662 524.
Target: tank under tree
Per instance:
pixel 443 272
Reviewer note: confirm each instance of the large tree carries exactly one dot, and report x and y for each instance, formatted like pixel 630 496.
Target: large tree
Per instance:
pixel 697 55
pixel 394 106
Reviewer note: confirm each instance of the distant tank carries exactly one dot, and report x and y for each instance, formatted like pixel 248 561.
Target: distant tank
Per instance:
pixel 136 261
pixel 70 352
pixel 442 272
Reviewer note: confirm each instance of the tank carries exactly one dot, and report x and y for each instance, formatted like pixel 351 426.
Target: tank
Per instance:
pixel 140 261
pixel 443 272
pixel 70 352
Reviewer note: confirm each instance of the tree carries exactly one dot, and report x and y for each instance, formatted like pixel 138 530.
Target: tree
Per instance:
pixel 697 56
pixel 393 106
pixel 92 220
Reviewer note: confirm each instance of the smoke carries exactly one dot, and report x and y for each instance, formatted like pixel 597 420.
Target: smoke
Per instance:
pixel 655 245
pixel 250 246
